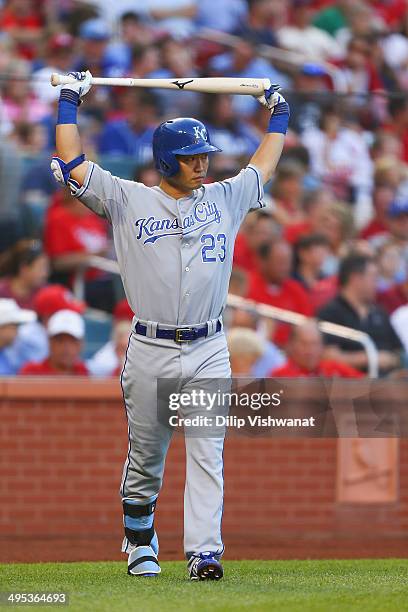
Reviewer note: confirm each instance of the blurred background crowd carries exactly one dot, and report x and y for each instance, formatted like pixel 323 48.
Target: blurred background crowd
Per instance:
pixel 332 242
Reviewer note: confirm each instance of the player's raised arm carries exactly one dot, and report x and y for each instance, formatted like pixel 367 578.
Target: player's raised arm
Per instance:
pixel 69 166
pixel 267 155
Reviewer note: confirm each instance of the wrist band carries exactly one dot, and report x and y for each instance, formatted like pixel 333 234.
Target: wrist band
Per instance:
pixel 278 123
pixel 68 107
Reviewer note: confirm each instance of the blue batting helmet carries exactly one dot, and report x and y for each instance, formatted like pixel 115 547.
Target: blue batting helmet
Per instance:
pixel 181 136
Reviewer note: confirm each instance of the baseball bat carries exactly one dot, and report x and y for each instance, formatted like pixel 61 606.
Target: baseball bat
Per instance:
pixel 215 85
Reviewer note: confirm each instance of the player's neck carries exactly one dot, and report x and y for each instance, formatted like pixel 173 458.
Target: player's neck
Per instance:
pixel 174 191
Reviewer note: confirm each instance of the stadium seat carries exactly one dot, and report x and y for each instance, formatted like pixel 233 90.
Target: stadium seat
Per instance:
pixel 98 326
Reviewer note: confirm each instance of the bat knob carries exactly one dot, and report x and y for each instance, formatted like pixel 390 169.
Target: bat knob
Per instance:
pixel 55 79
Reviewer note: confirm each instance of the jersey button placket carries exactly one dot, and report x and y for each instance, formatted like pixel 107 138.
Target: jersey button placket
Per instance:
pixel 185 253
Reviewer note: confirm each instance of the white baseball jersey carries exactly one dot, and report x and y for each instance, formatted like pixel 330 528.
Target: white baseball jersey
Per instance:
pixel 175 256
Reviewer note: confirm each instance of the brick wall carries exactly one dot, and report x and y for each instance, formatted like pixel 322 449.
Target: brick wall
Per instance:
pixel 63 444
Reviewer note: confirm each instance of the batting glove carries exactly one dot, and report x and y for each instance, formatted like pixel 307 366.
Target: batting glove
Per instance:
pixel 278 107
pixel 271 99
pixel 82 86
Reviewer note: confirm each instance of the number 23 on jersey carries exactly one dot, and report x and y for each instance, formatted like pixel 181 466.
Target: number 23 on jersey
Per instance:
pixel 213 247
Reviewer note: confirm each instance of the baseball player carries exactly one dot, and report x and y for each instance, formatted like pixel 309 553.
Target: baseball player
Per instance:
pixel 174 244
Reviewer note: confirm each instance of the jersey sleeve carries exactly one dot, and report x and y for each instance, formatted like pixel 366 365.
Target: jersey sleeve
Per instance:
pixel 244 192
pixel 105 194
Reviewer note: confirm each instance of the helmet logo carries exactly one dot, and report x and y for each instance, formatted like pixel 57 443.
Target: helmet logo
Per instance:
pixel 200 133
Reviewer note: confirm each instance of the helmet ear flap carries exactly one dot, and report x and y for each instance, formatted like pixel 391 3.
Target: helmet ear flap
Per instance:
pixel 169 167
pixel 164 166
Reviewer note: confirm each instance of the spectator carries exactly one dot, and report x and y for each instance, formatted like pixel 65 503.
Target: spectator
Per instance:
pixel 66 331
pixel 147 174
pixel 386 145
pixel 333 17
pixel 258 228
pixel 238 284
pixel 236 137
pixel 339 157
pixel 397 226
pixel 356 73
pixel 226 16
pixel 173 16
pixel 23 270
pixel 32 340
pixel 94 36
pixel 132 133
pixel 59 58
pixel 355 307
pixel 394 297
pixel 305 99
pixel 177 59
pixel 22 20
pixel 271 356
pixel 383 195
pixel 287 192
pixel 361 23
pixel 243 62
pixel 302 37
pixel 11 316
pixel 305 350
pixel 19 101
pixel 271 284
pixel 134 32
pixel 245 349
pixel 316 205
pixel 31 139
pixel 258 27
pixel 398 110
pixel 391 268
pixel 395 47
pixel 72 234
pixel 399 321
pixel 11 168
pixel 311 252
pixel 109 360
pixel 145 60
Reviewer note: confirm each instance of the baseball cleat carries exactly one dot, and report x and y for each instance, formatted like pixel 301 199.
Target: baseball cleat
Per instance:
pixel 142 561
pixel 205 567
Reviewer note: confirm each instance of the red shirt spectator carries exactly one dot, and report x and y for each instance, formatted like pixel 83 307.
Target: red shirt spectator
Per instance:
pixel 273 285
pixel 312 251
pixel 305 352
pixel 123 311
pixel 382 198
pixel 24 23
pixel 394 297
pixel 325 368
pixel 45 368
pixel 392 11
pixel 244 257
pixel 66 331
pixel 374 228
pixel 398 110
pixel 259 227
pixel 294 231
pixel 72 229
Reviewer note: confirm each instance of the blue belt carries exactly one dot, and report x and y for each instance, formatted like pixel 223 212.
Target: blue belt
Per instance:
pixel 179 335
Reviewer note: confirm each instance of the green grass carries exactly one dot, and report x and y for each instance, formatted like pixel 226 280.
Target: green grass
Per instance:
pixel 358 585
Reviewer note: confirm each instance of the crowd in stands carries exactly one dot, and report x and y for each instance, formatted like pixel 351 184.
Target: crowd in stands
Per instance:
pixel 332 241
